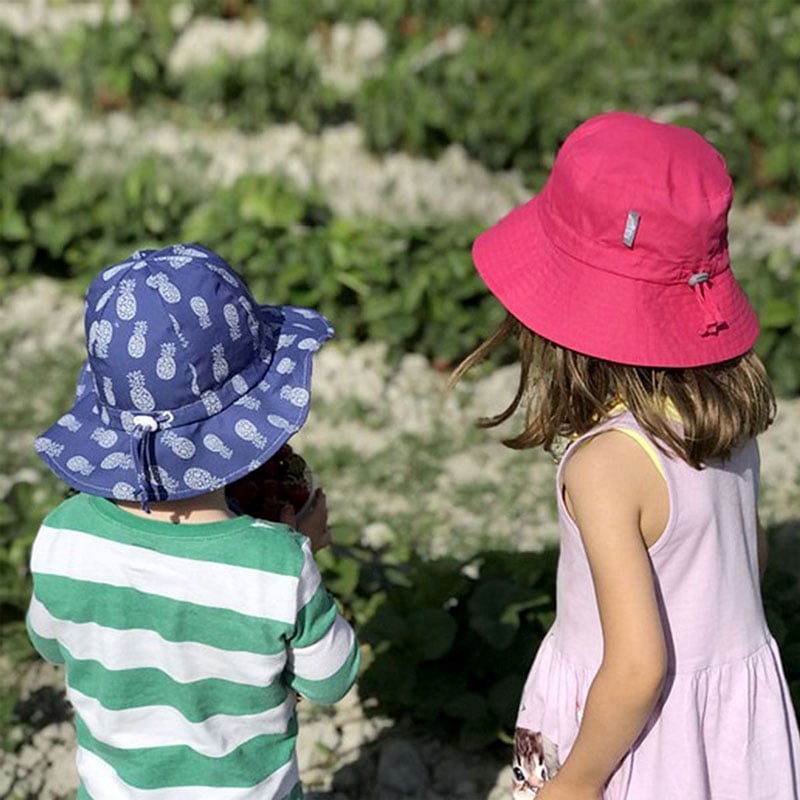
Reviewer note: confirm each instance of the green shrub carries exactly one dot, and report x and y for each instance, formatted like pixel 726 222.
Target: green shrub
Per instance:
pixel 279 84
pixel 773 286
pixel 118 65
pixel 527 74
pixel 412 286
pixel 451 642
pixel 25 66
pixel 58 221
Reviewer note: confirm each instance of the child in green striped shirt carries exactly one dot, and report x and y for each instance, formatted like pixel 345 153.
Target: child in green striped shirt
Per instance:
pixel 186 631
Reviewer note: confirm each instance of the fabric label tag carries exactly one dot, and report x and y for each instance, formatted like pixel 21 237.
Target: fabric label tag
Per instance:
pixel 631 226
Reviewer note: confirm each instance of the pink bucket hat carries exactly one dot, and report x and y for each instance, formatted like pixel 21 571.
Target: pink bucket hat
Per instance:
pixel 623 255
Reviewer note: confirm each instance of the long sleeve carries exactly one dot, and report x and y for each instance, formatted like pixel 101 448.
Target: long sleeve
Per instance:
pixel 323 658
pixel 41 631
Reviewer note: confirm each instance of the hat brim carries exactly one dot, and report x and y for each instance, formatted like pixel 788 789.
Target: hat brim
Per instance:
pixel 201 456
pixel 603 314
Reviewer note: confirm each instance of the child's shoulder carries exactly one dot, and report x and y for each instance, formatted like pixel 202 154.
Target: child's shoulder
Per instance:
pixel 607 450
pixel 74 510
pixel 264 545
pixel 610 461
pixel 278 532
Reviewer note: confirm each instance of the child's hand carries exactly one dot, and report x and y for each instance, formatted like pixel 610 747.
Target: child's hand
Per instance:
pixel 313 522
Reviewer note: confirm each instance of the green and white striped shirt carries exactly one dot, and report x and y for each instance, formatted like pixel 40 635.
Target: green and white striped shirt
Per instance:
pixel 184 646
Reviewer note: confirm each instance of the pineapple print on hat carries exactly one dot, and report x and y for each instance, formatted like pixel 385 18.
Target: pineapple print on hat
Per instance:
pixel 194 386
pixel 176 326
pixel 212 403
pixel 200 308
pixel 169 291
pixel 104 437
pixel 48 446
pixel 182 447
pixel 219 365
pixel 126 299
pixel 231 316
pixel 175 261
pixel 80 464
pixel 108 391
pixel 69 422
pixel 116 460
pixel 252 322
pixel 137 345
pixel 247 430
pixel 224 274
pixel 165 366
pixel 296 395
pixel 186 250
pixel 123 491
pixel 281 423
pixel 101 333
pixel 158 475
pixel 252 403
pixel 140 397
pixel 104 298
pixel 214 444
pixel 111 272
pixel 201 479
pixel 126 418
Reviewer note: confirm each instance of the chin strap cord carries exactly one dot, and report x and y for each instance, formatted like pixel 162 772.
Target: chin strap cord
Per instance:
pixel 144 428
pixel 713 320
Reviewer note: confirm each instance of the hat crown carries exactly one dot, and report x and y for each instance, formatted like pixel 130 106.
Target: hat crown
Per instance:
pixel 623 255
pixel 166 328
pixel 639 198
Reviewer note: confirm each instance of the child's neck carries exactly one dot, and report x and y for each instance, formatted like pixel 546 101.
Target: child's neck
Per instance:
pixel 210 507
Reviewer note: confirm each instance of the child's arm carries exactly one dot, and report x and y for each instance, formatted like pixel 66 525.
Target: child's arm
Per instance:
pixel 42 632
pixel 611 486
pixel 323 652
pixel 312 523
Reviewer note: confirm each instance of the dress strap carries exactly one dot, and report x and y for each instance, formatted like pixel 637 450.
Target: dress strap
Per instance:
pixel 646 445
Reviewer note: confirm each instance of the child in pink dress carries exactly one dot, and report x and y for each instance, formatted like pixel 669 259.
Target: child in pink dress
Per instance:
pixel 659 679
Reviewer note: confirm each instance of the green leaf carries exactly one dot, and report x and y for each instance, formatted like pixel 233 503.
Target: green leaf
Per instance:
pixel 344 578
pixel 385 626
pixel 777 312
pixel 478 733
pixel 504 697
pixel 469 706
pixel 492 613
pixel 431 633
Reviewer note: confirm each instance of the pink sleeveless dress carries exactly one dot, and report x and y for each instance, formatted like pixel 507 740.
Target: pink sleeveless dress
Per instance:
pixel 724 728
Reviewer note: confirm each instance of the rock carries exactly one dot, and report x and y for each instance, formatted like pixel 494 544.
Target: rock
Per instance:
pixel 401 771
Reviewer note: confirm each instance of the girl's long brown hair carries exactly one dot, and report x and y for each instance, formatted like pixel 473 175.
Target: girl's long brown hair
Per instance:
pixel 566 393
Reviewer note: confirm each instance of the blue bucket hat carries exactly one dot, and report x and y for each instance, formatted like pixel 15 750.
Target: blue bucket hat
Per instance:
pixel 189 383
